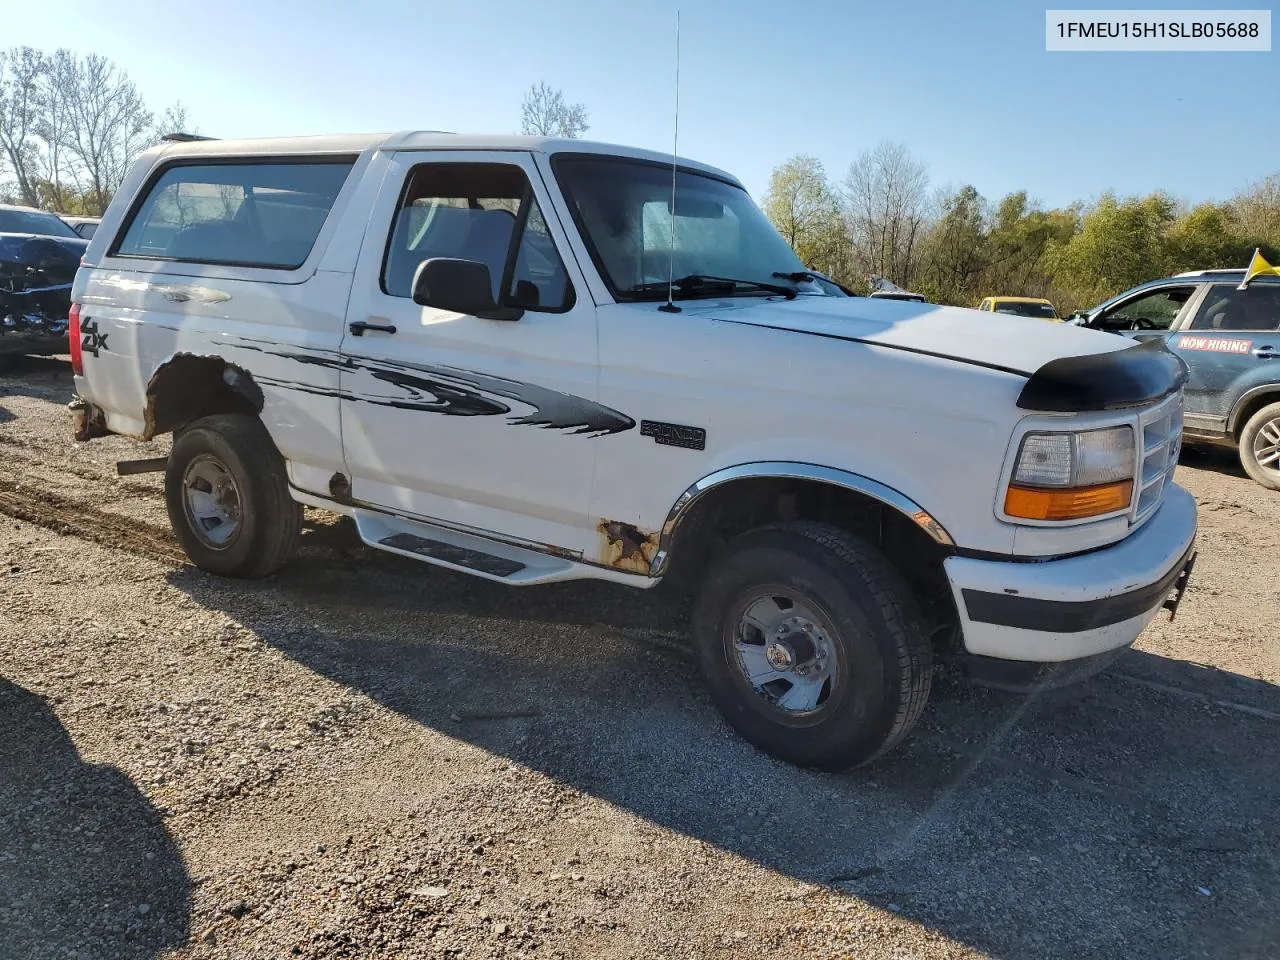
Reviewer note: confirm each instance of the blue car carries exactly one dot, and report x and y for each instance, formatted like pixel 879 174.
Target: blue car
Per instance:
pixel 1230 340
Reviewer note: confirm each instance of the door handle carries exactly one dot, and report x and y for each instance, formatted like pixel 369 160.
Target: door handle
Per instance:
pixel 358 327
pixel 1266 352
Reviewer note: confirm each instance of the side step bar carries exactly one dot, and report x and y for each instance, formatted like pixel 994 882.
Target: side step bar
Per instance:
pixel 464 552
pixel 450 553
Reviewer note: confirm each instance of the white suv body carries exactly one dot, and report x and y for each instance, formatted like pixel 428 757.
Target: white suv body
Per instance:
pixel 565 420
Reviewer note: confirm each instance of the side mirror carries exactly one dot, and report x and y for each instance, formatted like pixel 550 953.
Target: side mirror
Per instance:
pixel 459 286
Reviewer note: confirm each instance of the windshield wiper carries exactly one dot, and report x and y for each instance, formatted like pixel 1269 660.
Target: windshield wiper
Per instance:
pixel 696 283
pixel 796 276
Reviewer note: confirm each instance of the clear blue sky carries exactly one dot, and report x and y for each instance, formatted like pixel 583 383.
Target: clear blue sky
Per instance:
pixel 968 87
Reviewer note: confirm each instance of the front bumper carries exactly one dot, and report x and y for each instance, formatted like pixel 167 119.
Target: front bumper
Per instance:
pixel 1082 606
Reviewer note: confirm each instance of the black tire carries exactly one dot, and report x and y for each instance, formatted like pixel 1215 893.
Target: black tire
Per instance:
pixel 268 518
pixel 883 662
pixel 1268 475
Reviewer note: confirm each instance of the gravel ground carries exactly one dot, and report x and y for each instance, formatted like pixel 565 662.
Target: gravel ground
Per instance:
pixel 363 756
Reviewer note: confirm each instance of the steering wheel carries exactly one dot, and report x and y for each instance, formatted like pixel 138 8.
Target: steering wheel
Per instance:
pixel 1145 323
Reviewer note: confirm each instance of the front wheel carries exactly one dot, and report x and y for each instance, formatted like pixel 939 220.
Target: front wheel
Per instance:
pixel 812 646
pixel 228 497
pixel 1260 446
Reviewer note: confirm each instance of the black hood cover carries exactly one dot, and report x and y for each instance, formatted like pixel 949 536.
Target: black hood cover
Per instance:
pixel 1132 377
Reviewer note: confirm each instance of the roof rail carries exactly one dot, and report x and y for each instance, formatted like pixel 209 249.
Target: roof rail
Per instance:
pixel 184 137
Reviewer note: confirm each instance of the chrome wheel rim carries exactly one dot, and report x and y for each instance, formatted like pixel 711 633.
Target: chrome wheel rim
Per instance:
pixel 212 502
pixel 786 653
pixel 1266 446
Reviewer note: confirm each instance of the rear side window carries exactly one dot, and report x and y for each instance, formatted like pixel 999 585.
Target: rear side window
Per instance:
pixel 245 214
pixel 1256 307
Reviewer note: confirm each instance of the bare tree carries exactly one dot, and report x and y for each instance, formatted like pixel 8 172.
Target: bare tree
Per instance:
pixel 544 112
pixel 108 125
pixel 172 120
pixel 58 180
pixel 21 71
pixel 886 205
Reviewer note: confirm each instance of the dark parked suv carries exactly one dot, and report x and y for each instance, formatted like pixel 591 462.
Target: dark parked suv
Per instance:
pixel 1230 339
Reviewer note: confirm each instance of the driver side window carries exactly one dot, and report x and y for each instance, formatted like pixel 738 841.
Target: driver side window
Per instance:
pixel 484 212
pixel 1151 311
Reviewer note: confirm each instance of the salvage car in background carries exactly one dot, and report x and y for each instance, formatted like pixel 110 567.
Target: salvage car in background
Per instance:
pixel 1036 307
pixel 39 256
pixel 1230 340
pixel 899 295
pixel 84 226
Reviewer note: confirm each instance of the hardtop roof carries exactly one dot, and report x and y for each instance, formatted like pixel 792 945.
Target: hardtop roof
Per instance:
pixel 419 140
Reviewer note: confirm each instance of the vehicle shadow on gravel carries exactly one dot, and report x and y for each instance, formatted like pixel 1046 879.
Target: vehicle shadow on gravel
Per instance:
pixel 1218 459
pixel 86 866
pixel 48 378
pixel 1132 815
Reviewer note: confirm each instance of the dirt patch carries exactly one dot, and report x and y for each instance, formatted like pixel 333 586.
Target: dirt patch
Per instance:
pixel 364 756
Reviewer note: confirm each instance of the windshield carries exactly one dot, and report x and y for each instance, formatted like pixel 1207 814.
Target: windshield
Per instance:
pixel 34 221
pixel 623 209
pixel 1043 310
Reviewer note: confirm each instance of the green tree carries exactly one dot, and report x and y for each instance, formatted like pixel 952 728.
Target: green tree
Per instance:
pixel 1021 236
pixel 805 209
pixel 1119 245
pixel 1255 213
pixel 955 251
pixel 1205 238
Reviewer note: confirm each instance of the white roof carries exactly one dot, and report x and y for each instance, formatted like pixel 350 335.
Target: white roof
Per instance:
pixel 419 140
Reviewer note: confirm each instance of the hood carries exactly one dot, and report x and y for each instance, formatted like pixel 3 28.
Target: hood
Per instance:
pixel 41 252
pixel 1020 345
pixel 1068 368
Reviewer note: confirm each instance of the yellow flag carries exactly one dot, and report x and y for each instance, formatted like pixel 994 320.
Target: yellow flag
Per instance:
pixel 1258 267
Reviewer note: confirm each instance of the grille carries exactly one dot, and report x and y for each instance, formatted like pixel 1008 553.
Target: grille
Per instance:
pixel 1160 430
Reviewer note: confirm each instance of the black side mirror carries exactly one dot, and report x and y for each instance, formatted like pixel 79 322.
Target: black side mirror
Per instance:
pixel 459 286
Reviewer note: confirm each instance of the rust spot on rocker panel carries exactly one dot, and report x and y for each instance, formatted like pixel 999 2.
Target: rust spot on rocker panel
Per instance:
pixel 626 546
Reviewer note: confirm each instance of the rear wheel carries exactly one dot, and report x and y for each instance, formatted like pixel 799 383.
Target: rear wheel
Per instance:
pixel 228 497
pixel 1260 446
pixel 812 646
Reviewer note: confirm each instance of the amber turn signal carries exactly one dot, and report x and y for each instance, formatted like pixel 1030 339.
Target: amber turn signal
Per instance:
pixel 1039 503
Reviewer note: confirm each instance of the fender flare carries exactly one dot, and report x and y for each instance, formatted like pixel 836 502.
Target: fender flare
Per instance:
pixel 1262 390
pixel 789 470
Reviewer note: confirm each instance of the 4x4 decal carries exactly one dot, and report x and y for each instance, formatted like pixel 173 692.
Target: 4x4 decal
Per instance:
pixel 92 339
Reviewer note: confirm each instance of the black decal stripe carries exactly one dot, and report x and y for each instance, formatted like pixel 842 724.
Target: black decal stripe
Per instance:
pixel 1067 616
pixel 453 391
pixel 877 343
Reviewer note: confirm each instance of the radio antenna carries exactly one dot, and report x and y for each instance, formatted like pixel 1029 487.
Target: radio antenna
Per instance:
pixel 669 306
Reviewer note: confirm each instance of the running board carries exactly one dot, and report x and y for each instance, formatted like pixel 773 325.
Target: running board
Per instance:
pixel 464 552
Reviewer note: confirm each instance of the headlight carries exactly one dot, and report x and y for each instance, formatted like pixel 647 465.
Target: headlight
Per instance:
pixel 1071 476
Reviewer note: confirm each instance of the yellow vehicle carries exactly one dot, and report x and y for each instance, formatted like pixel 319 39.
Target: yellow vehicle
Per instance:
pixel 1021 306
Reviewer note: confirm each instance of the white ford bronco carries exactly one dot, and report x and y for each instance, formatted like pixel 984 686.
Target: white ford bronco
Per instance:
pixel 535 360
